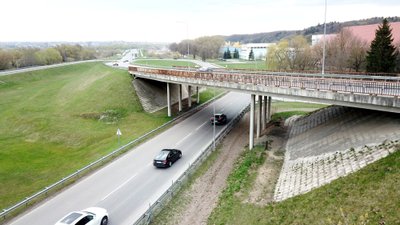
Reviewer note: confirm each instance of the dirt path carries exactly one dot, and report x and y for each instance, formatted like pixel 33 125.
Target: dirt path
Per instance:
pixel 262 191
pixel 203 194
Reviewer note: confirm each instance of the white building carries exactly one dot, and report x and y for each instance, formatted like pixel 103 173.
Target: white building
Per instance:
pixel 315 39
pixel 260 50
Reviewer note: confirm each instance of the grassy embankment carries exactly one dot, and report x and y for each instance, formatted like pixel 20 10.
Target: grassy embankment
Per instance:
pixel 55 121
pixel 181 199
pixel 369 196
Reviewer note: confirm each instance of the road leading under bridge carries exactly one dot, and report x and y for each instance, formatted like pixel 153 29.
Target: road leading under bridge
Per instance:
pixel 360 91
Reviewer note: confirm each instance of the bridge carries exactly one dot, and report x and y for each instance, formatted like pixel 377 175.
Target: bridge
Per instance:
pixel 361 91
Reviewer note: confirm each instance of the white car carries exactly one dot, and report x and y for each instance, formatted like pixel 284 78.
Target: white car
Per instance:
pixel 89 216
pixel 205 69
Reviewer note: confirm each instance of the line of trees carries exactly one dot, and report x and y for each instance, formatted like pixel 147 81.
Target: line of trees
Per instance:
pixel 344 53
pixel 228 54
pixel 206 47
pixel 25 57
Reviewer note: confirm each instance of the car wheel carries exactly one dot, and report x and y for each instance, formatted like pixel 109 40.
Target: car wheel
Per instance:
pixel 170 164
pixel 180 155
pixel 104 221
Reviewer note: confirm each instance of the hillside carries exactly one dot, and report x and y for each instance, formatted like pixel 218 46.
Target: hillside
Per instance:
pixel 55 121
pixel 275 36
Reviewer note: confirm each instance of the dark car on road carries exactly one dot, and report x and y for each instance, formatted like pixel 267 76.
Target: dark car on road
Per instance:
pixel 219 119
pixel 167 157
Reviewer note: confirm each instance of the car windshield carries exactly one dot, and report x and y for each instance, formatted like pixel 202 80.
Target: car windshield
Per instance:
pixel 162 155
pixel 71 218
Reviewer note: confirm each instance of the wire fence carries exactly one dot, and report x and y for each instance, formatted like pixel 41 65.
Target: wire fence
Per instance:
pixel 64 181
pixel 158 205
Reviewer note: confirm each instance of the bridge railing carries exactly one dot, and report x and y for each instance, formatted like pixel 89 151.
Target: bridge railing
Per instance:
pixel 362 84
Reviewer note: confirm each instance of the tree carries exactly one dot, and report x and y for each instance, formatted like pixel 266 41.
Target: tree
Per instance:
pixel 382 54
pixel 228 54
pixel 173 47
pixel 251 55
pixel 271 60
pixel 357 54
pixel 208 46
pixel 5 58
pixel 236 54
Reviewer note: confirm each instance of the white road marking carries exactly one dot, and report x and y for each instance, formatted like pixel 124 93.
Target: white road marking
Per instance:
pixel 120 186
pixel 179 142
pixel 201 125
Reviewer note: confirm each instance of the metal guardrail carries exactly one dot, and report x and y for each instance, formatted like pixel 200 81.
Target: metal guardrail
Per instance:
pixel 157 206
pixel 371 85
pixel 61 182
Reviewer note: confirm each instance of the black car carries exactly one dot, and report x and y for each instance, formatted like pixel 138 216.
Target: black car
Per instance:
pixel 167 157
pixel 219 119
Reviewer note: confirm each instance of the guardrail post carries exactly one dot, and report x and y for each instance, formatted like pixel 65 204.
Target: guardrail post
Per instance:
pixel 4 213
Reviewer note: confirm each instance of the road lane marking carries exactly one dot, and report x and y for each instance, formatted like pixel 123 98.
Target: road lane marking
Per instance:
pixel 120 186
pixel 201 125
pixel 180 142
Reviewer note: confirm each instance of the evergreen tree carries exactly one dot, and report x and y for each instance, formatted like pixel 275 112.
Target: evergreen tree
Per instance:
pixel 236 54
pixel 251 55
pixel 382 54
pixel 228 54
pixel 225 55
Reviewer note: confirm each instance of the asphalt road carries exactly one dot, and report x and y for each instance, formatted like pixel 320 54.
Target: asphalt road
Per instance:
pixel 128 185
pixel 33 68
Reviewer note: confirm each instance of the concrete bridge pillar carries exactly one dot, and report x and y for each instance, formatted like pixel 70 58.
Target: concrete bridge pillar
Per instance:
pixel 264 113
pixel 269 109
pixel 251 129
pixel 180 97
pixel 259 116
pixel 189 96
pixel 198 95
pixel 169 100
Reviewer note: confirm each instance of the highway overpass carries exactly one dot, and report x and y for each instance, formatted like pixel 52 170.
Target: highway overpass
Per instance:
pixel 360 91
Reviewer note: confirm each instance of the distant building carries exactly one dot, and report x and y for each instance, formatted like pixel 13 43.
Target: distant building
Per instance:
pixel 315 39
pixel 364 32
pixel 367 32
pixel 260 50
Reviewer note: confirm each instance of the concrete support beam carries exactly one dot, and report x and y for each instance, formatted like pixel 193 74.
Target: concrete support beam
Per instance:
pixel 189 96
pixel 169 100
pixel 180 97
pixel 259 116
pixel 269 109
pixel 264 113
pixel 198 95
pixel 251 129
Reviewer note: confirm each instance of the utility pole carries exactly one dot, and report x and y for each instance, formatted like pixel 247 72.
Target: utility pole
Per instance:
pixel 323 50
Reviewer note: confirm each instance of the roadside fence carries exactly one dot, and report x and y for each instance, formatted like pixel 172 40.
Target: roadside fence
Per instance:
pixel 76 175
pixel 158 205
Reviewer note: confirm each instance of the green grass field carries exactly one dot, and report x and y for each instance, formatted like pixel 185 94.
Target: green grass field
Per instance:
pixel 164 63
pixel 241 64
pixel 369 196
pixel 55 121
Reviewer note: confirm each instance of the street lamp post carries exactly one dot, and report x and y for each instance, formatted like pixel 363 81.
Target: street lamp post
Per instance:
pixel 214 121
pixel 323 50
pixel 187 39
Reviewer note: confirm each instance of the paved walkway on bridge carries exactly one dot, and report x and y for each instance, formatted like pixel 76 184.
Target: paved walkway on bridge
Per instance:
pixel 332 143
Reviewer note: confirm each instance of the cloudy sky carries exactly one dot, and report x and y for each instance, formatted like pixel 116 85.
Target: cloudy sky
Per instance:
pixel 172 20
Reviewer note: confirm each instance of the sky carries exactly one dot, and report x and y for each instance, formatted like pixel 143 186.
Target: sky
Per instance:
pixel 172 20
